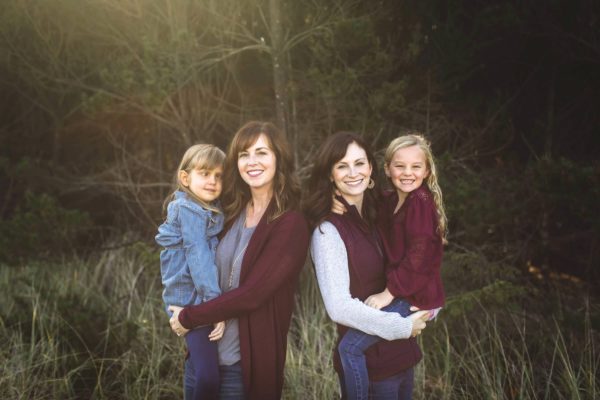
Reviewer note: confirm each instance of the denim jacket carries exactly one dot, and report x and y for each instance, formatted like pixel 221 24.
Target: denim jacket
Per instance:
pixel 187 263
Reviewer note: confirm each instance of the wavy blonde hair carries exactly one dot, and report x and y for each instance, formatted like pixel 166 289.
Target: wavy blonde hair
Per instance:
pixel 198 156
pixel 416 139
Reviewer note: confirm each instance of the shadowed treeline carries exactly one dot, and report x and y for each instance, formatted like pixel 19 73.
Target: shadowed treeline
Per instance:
pixel 100 99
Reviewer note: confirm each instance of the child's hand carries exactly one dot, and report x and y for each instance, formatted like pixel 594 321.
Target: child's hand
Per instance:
pixel 218 332
pixel 418 320
pixel 337 206
pixel 379 300
pixel 174 321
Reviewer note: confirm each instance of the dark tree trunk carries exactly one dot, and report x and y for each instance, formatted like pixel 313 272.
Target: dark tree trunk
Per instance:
pixel 279 64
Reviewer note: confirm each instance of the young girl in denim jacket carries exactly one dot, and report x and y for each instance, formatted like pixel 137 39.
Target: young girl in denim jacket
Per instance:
pixel 187 263
pixel 412 227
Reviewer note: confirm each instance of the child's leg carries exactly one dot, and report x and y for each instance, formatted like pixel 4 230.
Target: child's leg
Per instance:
pixel 352 348
pixel 202 366
pixel 398 306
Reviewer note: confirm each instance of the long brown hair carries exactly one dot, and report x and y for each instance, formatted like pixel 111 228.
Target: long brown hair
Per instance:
pixel 286 187
pixel 318 199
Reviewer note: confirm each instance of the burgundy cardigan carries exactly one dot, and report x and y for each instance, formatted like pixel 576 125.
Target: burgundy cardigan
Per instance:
pixel 263 302
pixel 367 276
pixel 413 248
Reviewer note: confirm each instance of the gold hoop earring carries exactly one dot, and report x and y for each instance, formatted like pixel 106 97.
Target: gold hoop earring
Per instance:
pixel 371 184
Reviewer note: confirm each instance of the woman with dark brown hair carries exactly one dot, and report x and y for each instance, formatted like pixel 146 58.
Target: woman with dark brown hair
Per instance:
pixel 259 257
pixel 350 267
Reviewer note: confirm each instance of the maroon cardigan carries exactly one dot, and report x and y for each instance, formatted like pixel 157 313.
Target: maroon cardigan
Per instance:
pixel 263 302
pixel 367 276
pixel 413 248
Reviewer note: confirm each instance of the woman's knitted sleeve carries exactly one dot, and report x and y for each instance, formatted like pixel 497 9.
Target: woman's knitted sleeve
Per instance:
pixel 331 264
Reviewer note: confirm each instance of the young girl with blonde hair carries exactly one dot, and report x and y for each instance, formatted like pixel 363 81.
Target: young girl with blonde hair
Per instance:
pixel 412 226
pixel 188 270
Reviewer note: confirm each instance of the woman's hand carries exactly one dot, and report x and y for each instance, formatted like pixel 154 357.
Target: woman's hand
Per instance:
pixel 337 206
pixel 174 321
pixel 379 300
pixel 418 320
pixel 218 332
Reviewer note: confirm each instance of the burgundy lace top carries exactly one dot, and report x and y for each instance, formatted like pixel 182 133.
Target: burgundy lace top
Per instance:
pixel 413 248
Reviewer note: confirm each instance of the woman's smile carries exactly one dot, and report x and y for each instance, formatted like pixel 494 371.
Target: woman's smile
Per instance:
pixel 257 164
pixel 351 174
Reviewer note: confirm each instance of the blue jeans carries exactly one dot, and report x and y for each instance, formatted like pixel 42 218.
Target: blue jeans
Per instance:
pixel 352 349
pixel 396 387
pixel 201 376
pixel 232 384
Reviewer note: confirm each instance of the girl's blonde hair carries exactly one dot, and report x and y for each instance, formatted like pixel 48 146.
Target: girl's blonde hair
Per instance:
pixel 198 156
pixel 416 139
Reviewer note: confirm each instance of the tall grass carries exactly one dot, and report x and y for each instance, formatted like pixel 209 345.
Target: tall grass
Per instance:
pixel 488 362
pixel 97 330
pixel 309 370
pixel 480 347
pixel 88 330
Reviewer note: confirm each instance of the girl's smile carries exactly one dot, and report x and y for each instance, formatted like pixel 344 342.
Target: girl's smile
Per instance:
pixel 407 170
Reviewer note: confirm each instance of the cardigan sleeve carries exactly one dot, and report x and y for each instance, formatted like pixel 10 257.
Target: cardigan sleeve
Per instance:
pixel 331 265
pixel 410 274
pixel 279 262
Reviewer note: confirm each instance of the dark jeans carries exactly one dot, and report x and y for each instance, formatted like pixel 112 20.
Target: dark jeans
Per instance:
pixel 352 349
pixel 396 387
pixel 201 376
pixel 232 385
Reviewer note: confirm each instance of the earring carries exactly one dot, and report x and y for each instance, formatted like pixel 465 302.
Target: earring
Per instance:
pixel 371 184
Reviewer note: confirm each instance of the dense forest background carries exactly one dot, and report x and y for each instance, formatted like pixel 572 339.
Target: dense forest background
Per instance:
pixel 99 98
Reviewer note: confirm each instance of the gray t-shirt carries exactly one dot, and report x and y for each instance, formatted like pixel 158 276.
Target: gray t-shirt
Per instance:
pixel 230 253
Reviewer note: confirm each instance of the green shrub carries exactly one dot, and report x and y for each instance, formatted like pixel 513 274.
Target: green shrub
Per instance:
pixel 40 229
